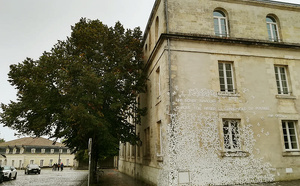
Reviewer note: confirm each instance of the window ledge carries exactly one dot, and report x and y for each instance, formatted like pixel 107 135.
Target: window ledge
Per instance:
pixel 291 153
pixel 159 158
pixel 228 94
pixel 281 96
pixel 235 154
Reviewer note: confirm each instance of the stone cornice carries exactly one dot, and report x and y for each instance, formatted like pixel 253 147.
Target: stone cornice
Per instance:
pixel 220 40
pixel 230 40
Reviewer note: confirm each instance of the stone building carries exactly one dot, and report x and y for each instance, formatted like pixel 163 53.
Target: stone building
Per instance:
pixel 41 151
pixel 222 94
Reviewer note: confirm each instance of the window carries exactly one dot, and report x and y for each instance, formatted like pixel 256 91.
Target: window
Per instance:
pixel 147 141
pixel 158 84
pixel 124 150
pixel 159 141
pixel 281 79
pixel 50 162
pixel 14 150
pixel 132 149
pixel 272 29
pixel 226 77
pixel 127 150
pixel 41 163
pixel 60 150
pixel 13 162
pixel 220 24
pixel 156 28
pixel 150 40
pixel 68 162
pixel 138 146
pixel 290 135
pixel 31 161
pixel 68 151
pixel 43 151
pixel 7 151
pixel 231 135
pixel 32 151
pixel 52 151
pixel 20 164
pixel 22 150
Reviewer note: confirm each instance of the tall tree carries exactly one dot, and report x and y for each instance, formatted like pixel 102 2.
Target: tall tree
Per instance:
pixel 85 87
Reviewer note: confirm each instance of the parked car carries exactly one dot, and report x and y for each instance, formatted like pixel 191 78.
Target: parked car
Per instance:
pixel 9 172
pixel 32 168
pixel 1 174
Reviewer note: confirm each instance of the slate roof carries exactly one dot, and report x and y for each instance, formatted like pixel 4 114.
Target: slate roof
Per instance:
pixel 30 141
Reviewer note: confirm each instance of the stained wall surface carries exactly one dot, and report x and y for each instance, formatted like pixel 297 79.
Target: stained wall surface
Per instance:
pixel 183 134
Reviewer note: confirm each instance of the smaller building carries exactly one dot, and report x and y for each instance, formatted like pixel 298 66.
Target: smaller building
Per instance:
pixel 41 151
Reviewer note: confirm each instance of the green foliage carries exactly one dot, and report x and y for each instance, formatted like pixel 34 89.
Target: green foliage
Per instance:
pixel 2 140
pixel 85 87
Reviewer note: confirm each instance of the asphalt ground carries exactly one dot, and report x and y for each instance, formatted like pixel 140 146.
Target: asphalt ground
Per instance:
pixel 67 177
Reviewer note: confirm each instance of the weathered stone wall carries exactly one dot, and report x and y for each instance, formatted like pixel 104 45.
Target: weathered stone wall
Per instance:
pixel 256 103
pixel 246 20
pixel 183 95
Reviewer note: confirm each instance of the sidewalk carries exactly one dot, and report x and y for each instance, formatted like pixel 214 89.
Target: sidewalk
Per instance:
pixel 113 177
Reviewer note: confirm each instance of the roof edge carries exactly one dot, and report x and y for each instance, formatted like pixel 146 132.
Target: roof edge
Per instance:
pixel 153 11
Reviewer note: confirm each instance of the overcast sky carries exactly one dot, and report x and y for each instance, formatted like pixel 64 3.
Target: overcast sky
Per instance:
pixel 30 27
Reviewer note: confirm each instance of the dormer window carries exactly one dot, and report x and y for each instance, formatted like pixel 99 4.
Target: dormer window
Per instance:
pixel 7 151
pixel 14 150
pixel 220 24
pixel 32 151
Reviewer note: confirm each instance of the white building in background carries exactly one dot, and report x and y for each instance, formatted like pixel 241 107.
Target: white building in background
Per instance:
pixel 222 95
pixel 40 151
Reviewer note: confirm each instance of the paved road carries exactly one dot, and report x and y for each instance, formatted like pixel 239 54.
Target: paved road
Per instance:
pixel 47 177
pixel 111 177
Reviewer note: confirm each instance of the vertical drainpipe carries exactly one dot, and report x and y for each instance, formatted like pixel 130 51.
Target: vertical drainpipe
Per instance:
pixel 171 174
pixel 169 56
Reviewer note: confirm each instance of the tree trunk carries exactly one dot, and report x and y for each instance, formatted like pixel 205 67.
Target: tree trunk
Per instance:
pixel 94 161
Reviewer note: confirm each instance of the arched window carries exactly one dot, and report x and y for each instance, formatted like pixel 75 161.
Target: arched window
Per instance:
pixel 150 40
pixel 272 29
pixel 220 24
pixel 156 28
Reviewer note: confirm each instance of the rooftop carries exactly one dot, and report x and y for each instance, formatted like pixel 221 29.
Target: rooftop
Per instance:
pixel 30 141
pixel 278 2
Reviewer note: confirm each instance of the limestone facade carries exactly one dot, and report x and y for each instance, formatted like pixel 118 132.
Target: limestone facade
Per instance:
pixel 21 152
pixel 222 95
